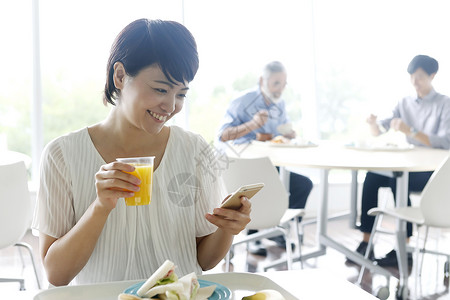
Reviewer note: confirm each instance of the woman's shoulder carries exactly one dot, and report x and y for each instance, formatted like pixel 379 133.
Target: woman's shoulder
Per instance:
pixel 179 132
pixel 187 138
pixel 68 140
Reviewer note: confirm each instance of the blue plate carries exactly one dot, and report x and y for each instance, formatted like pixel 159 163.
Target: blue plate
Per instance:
pixel 220 293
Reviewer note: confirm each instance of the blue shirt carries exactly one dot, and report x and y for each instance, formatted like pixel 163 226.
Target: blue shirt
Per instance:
pixel 430 115
pixel 243 109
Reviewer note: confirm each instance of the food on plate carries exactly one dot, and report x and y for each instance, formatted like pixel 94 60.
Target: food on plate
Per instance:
pixel 205 292
pixel 164 275
pixel 185 288
pixel 279 139
pixel 265 295
pixel 165 284
pixel 128 297
pixel 285 128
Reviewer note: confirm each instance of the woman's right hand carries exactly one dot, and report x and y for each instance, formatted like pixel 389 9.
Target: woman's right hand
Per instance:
pixel 112 183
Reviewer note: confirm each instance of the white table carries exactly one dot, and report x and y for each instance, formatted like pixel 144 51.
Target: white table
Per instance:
pixel 329 156
pixel 299 284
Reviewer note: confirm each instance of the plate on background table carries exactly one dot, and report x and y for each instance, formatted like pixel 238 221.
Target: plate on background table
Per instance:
pixel 292 144
pixel 220 293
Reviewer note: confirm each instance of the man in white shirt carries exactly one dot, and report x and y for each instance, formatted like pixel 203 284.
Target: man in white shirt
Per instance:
pixel 425 121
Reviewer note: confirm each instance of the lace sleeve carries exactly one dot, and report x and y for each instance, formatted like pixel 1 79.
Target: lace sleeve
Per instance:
pixel 54 213
pixel 212 190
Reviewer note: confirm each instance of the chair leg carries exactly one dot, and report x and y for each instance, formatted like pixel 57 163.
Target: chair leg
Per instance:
pixel 288 249
pixel 416 263
pixel 446 268
pixel 30 250
pixel 19 280
pixel 423 250
pixel 300 241
pixel 21 258
pixel 378 219
pixel 227 261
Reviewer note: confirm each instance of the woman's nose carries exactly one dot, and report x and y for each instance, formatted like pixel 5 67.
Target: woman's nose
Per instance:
pixel 169 104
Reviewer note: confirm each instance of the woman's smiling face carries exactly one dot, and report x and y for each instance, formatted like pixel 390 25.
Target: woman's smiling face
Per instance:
pixel 149 99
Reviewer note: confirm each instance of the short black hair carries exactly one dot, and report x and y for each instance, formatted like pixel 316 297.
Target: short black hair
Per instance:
pixel 428 64
pixel 145 42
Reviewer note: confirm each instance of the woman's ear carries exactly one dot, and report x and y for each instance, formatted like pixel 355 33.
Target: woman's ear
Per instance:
pixel 119 75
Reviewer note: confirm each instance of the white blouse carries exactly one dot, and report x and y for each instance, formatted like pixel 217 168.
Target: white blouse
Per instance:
pixel 136 240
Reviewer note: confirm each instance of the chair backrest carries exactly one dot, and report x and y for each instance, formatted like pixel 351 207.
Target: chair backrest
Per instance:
pixel 269 204
pixel 435 200
pixel 15 203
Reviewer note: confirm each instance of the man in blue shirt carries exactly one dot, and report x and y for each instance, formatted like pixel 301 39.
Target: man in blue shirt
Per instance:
pixel 259 110
pixel 425 120
pixel 260 114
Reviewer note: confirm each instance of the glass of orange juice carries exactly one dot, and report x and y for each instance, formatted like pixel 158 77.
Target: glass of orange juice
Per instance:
pixel 144 171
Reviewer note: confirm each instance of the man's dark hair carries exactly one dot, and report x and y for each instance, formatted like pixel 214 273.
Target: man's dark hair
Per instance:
pixel 428 64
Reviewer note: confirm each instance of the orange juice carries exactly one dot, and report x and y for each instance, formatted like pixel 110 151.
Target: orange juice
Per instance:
pixel 145 173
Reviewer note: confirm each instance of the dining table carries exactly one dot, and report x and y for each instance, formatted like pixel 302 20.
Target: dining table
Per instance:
pixel 328 155
pixel 307 284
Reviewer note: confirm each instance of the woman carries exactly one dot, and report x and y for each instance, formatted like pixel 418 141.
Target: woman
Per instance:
pixel 87 234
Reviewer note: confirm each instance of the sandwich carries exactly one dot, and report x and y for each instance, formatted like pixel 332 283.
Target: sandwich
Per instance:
pixel 185 288
pixel 163 276
pixel 164 284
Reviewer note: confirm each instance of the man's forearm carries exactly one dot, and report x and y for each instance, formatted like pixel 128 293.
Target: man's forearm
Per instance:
pixel 422 138
pixel 232 133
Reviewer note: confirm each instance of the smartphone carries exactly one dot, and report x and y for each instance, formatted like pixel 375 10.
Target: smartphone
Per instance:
pixel 234 201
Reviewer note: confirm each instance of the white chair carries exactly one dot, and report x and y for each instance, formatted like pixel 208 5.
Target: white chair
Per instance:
pixel 433 211
pixel 270 214
pixel 15 212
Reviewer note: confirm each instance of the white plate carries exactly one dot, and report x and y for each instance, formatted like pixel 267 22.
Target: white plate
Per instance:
pixel 381 148
pixel 245 284
pixel 240 284
pixel 100 291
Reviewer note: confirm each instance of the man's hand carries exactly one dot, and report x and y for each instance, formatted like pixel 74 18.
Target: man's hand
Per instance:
pixel 260 118
pixel 398 125
pixel 372 119
pixel 291 135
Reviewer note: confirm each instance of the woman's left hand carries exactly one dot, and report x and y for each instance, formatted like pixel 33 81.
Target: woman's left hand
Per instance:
pixel 230 220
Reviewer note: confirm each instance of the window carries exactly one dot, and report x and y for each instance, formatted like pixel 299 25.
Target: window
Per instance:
pixel 15 76
pixel 344 59
pixel 236 39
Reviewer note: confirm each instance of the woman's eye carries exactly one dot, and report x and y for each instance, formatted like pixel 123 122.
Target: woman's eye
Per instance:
pixel 162 91
pixel 183 96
